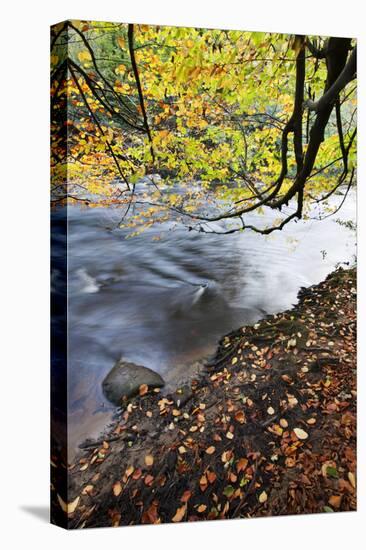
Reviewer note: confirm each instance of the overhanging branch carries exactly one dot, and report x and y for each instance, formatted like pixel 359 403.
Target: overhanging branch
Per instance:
pixel 343 79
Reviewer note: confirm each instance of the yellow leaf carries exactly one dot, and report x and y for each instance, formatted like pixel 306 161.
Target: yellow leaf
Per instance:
pixel 352 480
pixel 149 460
pixel 120 69
pixel 276 429
pixel 263 497
pixel 84 56
pixel 129 471
pixel 121 42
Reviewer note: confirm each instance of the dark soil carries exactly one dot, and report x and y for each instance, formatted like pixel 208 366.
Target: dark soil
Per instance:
pixel 269 428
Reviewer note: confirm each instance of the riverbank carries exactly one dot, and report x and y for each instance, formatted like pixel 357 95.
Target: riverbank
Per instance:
pixel 269 429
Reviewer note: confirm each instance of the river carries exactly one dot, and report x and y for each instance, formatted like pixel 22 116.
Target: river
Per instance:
pixel 165 303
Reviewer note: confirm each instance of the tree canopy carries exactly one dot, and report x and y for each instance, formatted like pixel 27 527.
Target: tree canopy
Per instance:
pixel 222 122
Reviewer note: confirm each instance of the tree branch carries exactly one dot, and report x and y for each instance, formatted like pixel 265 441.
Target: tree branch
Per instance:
pixel 348 73
pixel 139 88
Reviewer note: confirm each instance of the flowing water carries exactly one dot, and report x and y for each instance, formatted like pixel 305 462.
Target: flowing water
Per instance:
pixel 165 303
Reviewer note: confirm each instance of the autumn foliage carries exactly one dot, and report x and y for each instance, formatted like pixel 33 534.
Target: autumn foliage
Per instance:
pixel 221 123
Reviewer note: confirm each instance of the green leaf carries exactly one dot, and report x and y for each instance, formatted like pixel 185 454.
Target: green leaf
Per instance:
pixel 228 491
pixel 332 472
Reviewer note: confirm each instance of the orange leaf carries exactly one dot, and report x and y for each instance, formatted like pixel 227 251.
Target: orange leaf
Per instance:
pixel 143 389
pixel 186 496
pixel 117 488
pixel 148 480
pixel 203 483
pixel 241 465
pixel 180 513
pixel 240 417
pixel 211 476
pixel 335 501
pixel 137 473
pixel 210 450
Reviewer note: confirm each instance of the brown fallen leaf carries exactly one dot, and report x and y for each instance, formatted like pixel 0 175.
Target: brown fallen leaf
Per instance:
pixel 87 489
pixel 68 507
pixel 149 460
pixel 203 483
pixel 211 476
pixel 290 462
pixel 226 456
pixel 352 479
pixel 300 433
pixel 263 497
pixel 151 514
pixel 143 389
pixel 137 473
pixel 116 518
pixel 335 501
pixel 241 464
pixel 240 417
pixel 210 450
pixel 186 496
pixel 148 480
pixel 179 514
pixel 129 471
pixel 276 429
pixel 117 488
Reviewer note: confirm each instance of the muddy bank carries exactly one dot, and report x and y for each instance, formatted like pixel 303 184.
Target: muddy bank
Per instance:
pixel 268 429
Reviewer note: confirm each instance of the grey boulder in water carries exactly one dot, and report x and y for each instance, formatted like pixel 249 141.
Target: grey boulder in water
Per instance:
pixel 125 379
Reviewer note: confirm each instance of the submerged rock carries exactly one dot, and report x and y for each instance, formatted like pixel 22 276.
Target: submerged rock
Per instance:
pixel 125 379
